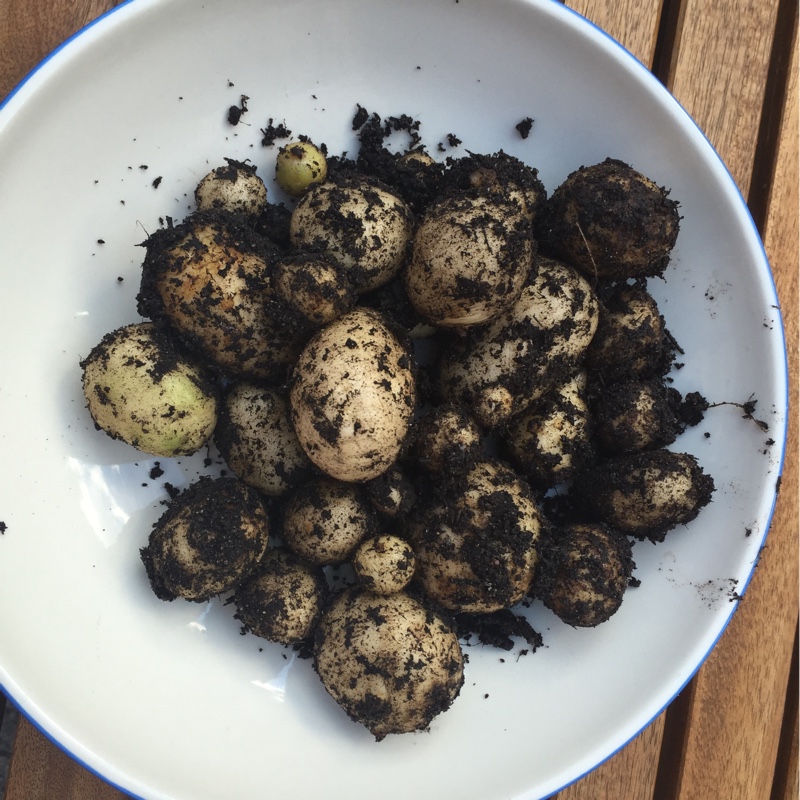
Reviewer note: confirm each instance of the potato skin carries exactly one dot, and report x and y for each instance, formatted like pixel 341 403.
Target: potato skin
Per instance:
pixel 610 221
pixel 645 495
pixel 584 573
pixel 470 259
pixel 391 663
pixel 209 279
pixel 140 389
pixel 255 436
pixel 208 540
pixel 282 600
pixel 476 542
pixel 352 397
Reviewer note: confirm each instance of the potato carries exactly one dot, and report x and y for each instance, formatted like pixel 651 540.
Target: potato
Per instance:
pixel 476 541
pixel 140 389
pixel 552 439
pixel 645 495
pixel 470 260
pixel 584 573
pixel 391 663
pixel 610 221
pixel 636 415
pixel 282 600
pixel 300 165
pixel 314 286
pixel 384 564
pixel 539 342
pixel 256 438
pixel 447 438
pixel 234 187
pixel 210 279
pixel 391 493
pixel 208 540
pixel 352 397
pixel 360 224
pixel 324 520
pixel 631 339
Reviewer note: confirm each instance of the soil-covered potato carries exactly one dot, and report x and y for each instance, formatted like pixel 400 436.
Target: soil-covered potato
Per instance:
pixel 210 278
pixel 234 187
pixel 208 540
pixel 471 257
pixel 636 415
pixel 476 542
pixel 314 286
pixel 447 438
pixel 282 600
pixel 499 369
pixel 584 573
pixel 631 339
pixel 256 438
pixel 352 397
pixel 139 388
pixel 325 520
pixel 610 221
pixel 391 663
pixel 551 440
pixel 384 564
pixel 298 166
pixel 499 176
pixel 358 223
pixel 392 493
pixel 645 495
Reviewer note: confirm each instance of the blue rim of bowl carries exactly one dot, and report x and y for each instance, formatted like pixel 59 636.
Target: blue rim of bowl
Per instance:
pixel 649 78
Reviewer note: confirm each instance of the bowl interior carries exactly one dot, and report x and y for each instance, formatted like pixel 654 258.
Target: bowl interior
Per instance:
pixel 109 137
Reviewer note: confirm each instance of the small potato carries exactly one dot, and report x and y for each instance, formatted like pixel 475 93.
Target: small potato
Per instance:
pixel 352 397
pixel 584 574
pixel 384 564
pixel 476 547
pixel 447 438
pixel 234 187
pixel 391 663
pixel 140 389
pixel 209 278
pixel 539 342
pixel 358 223
pixel 256 438
pixel 282 600
pixel 315 287
pixel 470 260
pixel 552 439
pixel 631 339
pixel 645 495
pixel 324 521
pixel 392 493
pixel 610 221
pixel 208 540
pixel 299 166
pixel 636 415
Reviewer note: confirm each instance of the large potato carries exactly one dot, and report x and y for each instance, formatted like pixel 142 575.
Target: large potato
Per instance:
pixel 352 397
pixel 391 663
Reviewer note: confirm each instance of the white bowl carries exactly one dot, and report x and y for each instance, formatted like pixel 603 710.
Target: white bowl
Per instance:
pixel 168 700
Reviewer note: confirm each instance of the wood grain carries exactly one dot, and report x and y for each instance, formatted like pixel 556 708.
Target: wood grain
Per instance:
pixel 633 23
pixel 742 686
pixel 719 44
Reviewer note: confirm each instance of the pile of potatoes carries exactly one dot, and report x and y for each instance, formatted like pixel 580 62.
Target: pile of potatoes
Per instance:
pixel 398 368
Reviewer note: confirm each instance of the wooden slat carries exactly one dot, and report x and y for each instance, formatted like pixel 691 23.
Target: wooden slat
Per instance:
pixel 633 23
pixel 742 687
pixel 43 772
pixel 29 31
pixel 719 72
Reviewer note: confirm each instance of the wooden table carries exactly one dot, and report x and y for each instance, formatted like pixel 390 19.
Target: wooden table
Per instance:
pixel 732 733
